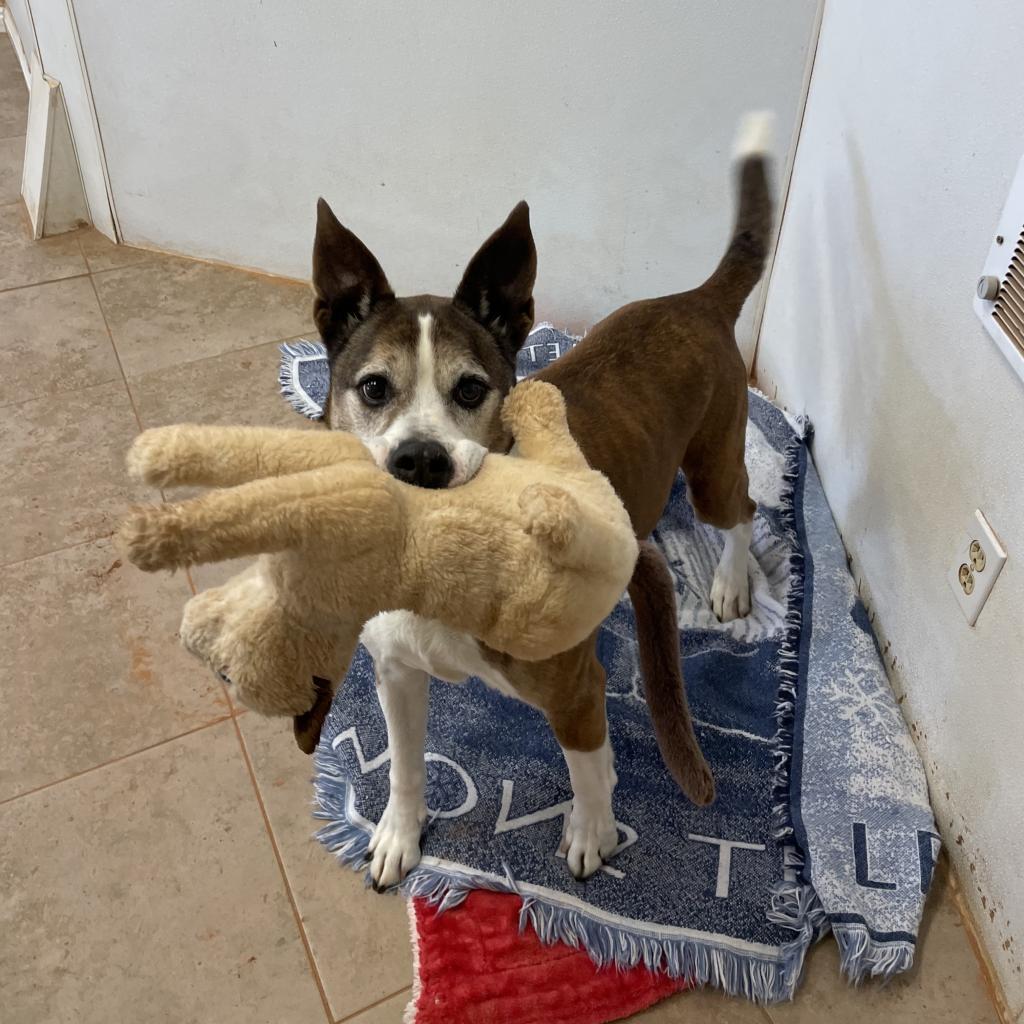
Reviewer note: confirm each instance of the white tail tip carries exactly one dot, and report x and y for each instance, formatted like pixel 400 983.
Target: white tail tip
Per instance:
pixel 755 135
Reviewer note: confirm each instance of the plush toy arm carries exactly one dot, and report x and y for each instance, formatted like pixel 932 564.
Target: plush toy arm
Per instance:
pixel 534 413
pixel 194 455
pixel 263 516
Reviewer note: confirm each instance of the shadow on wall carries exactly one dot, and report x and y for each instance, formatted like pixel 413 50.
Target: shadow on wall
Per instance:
pixel 874 411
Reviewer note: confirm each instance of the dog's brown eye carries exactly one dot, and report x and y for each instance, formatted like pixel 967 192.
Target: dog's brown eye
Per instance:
pixel 470 392
pixel 374 390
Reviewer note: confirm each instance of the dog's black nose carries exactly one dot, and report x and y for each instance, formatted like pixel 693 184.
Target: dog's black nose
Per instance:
pixel 423 463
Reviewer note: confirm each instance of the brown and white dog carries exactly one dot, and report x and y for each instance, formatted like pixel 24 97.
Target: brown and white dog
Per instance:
pixel 657 386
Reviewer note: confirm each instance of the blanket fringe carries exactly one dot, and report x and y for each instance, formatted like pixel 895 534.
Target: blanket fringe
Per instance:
pixel 795 902
pixel 789 659
pixel 292 353
pixel 762 980
pixel 862 956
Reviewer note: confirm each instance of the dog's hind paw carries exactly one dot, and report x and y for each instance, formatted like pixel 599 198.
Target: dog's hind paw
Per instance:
pixel 730 594
pixel 589 838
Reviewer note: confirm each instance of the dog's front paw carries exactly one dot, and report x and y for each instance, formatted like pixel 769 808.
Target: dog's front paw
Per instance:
pixel 394 848
pixel 590 837
pixel 730 592
pixel 152 538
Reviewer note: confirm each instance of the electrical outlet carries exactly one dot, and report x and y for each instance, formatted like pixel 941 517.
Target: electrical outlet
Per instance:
pixel 978 560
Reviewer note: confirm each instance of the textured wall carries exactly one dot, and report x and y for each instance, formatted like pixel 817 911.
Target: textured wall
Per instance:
pixel 911 136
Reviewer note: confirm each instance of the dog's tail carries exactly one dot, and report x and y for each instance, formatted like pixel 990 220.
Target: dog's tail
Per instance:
pixel 743 262
pixel 654 603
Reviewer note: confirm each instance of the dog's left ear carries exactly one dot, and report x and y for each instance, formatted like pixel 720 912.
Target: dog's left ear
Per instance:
pixel 497 287
pixel 348 282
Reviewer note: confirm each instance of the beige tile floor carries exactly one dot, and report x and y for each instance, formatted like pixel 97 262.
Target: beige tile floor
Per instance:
pixel 155 852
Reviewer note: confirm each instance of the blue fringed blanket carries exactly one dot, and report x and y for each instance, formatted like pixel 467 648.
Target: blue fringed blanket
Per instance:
pixel 822 819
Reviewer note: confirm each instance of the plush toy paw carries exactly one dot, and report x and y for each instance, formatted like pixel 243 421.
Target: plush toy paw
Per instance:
pixel 551 514
pixel 152 458
pixel 152 538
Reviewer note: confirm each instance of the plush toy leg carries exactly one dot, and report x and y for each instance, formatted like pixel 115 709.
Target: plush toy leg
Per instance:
pixel 534 412
pixel 191 455
pixel 274 663
pixel 239 631
pixel 262 516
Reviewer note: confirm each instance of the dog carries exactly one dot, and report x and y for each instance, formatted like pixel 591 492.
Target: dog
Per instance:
pixel 657 386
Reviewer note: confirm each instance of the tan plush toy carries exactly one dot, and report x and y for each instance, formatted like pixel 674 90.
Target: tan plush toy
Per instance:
pixel 528 557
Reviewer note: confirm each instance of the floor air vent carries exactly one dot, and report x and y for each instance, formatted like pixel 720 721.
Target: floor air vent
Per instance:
pixel 999 300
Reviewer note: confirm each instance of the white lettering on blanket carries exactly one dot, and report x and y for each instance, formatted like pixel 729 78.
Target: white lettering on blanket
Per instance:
pixel 562 810
pixel 725 848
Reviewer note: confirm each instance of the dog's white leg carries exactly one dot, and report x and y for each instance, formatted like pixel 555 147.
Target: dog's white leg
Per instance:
pixel 403 693
pixel 590 835
pixel 730 591
pixel 395 844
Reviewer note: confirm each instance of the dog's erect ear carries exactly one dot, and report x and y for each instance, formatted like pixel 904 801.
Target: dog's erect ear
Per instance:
pixel 347 280
pixel 497 287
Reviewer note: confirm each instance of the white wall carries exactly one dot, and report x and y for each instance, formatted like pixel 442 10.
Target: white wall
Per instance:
pixel 424 123
pixel 912 132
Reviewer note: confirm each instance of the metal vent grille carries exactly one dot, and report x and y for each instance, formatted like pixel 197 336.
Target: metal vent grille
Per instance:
pixel 1008 310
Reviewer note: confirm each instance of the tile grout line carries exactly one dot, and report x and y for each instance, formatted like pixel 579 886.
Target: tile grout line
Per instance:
pixel 88 272
pixel 56 551
pixel 110 336
pixel 284 874
pixel 50 280
pixel 115 760
pixel 220 355
pixel 371 1006
pixel 56 394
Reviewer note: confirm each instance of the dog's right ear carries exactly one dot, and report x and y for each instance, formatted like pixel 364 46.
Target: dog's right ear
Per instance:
pixel 348 282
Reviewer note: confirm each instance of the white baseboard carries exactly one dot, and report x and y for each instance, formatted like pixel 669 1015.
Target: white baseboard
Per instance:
pixel 12 30
pixel 51 183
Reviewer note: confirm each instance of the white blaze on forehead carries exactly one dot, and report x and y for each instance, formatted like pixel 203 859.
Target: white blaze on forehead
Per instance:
pixel 427 415
pixel 425 352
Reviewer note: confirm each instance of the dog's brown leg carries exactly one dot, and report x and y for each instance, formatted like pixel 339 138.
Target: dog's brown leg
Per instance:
pixel 716 476
pixel 570 690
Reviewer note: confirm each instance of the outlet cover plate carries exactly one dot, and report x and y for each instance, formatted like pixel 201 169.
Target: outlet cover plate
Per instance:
pixel 981 580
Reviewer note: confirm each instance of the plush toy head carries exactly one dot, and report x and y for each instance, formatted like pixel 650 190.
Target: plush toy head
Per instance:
pixel 528 557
